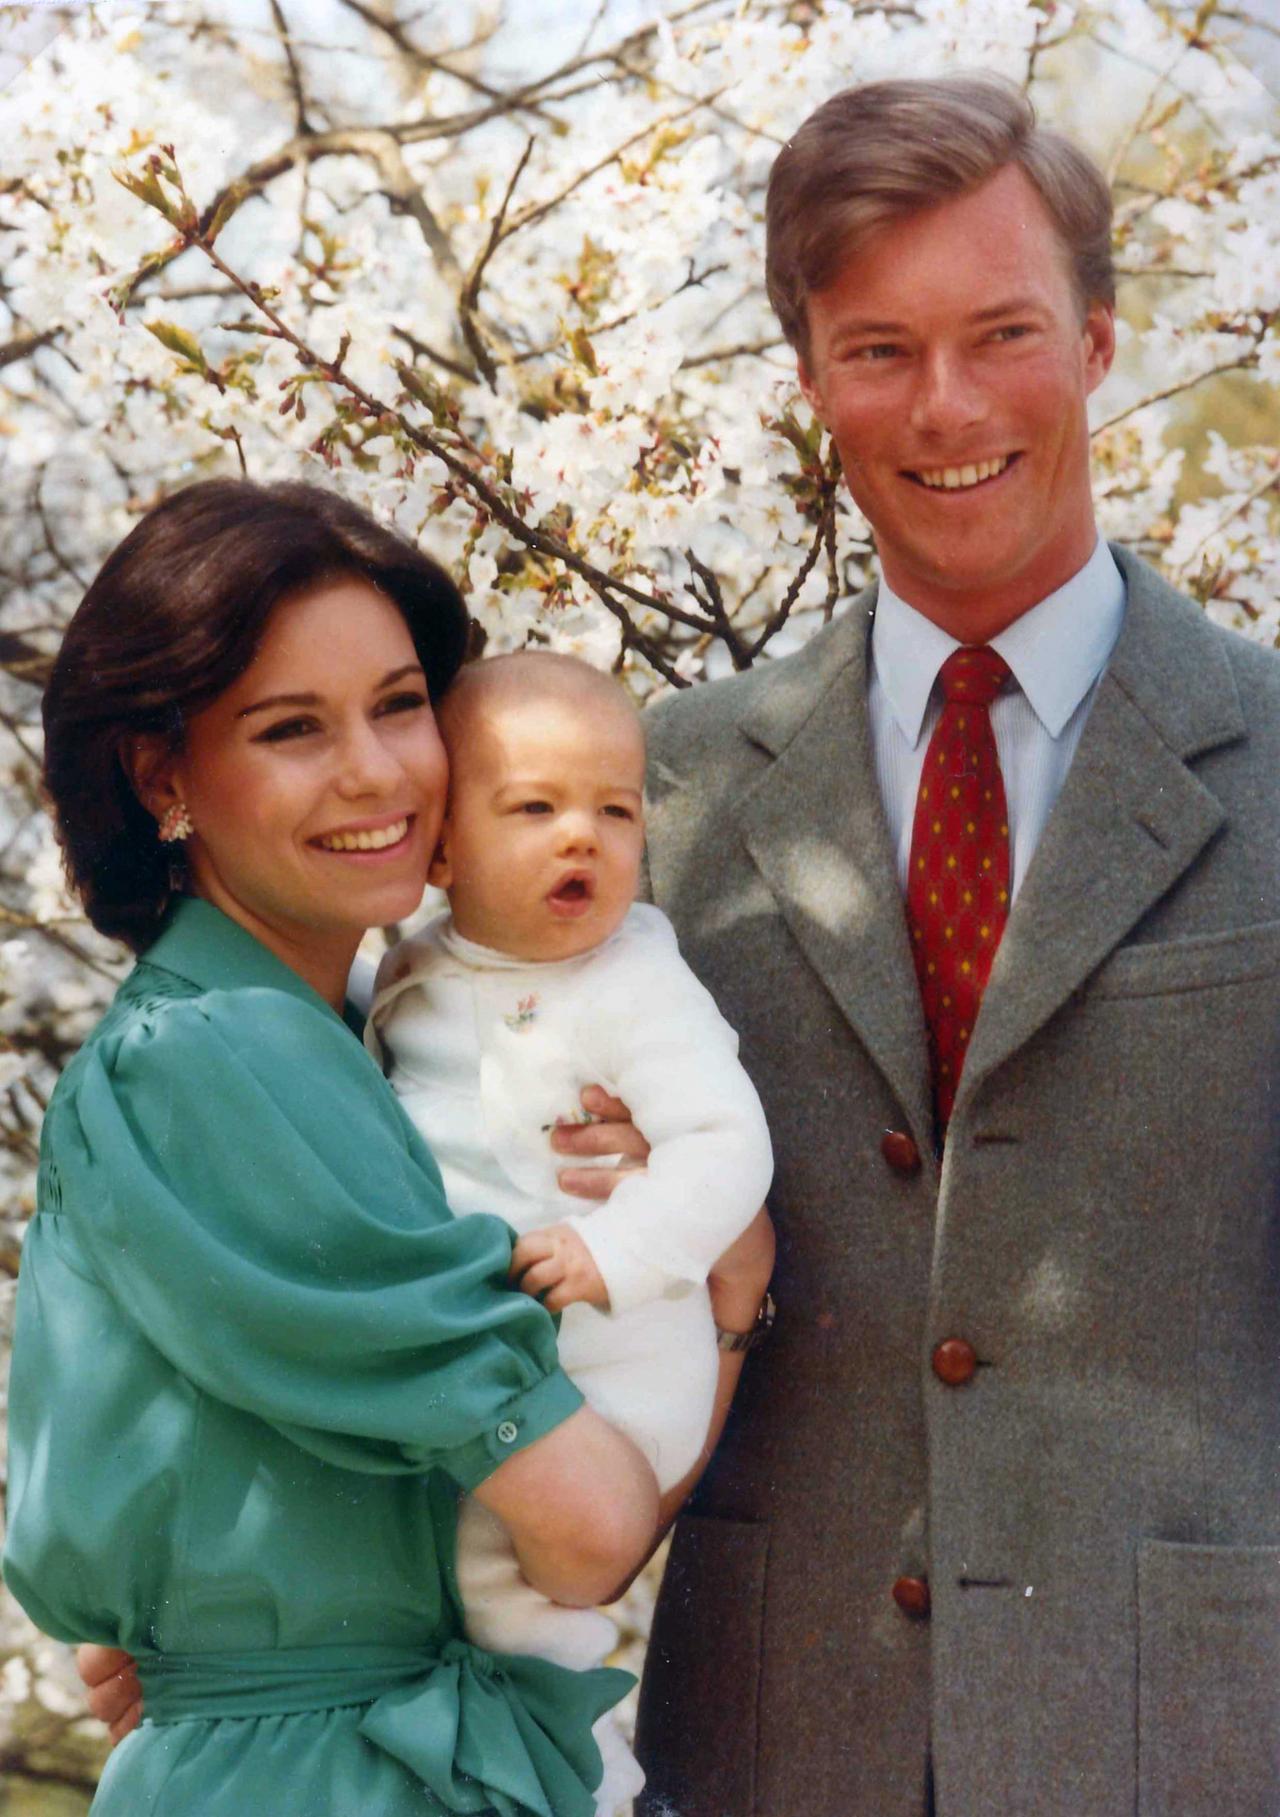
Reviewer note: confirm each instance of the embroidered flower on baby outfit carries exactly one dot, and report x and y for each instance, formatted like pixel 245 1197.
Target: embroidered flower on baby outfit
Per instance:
pixel 523 1014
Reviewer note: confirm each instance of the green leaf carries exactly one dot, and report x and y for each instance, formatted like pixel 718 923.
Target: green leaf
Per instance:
pixel 180 341
pixel 423 389
pixel 583 351
pixel 147 189
pixel 227 206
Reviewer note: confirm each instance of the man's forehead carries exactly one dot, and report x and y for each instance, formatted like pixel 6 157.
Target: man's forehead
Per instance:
pixel 990 253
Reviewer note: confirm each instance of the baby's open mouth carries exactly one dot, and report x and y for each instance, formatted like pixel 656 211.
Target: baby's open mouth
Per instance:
pixel 573 889
pixel 572 893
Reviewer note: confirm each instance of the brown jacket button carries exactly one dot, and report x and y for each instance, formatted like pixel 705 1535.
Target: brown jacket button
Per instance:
pixel 912 1596
pixel 900 1151
pixel 954 1362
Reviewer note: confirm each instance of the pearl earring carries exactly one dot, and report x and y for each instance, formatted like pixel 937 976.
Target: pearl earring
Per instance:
pixel 176 824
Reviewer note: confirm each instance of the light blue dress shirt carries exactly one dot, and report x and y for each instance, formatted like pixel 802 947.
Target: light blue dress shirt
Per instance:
pixel 1057 652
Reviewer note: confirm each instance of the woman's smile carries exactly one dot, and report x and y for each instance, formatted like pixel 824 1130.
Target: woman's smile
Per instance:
pixel 316 782
pixel 370 839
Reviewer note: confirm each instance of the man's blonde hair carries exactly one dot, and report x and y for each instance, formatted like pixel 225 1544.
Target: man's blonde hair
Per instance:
pixel 873 154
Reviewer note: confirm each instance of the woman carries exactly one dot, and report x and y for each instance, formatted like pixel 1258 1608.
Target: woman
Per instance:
pixel 255 1358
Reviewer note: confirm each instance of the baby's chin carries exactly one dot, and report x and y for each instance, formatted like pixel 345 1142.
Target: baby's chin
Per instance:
pixel 560 938
pixel 569 939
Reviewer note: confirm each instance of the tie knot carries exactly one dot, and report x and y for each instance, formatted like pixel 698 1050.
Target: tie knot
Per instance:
pixel 973 674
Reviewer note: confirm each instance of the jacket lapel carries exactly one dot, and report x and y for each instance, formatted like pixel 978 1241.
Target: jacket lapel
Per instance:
pixel 814 827
pixel 1131 818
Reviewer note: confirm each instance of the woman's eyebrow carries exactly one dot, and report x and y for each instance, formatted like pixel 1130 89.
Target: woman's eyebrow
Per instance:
pixel 279 700
pixel 313 700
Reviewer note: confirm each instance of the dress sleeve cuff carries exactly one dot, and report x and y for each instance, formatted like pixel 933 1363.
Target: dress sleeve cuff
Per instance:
pixel 528 1417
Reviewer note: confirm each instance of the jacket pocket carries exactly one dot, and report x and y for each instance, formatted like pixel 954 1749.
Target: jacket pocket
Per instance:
pixel 696 1735
pixel 1208 1680
pixel 1196 962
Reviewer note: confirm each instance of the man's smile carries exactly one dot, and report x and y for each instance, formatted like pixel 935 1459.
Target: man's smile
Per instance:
pixel 965 478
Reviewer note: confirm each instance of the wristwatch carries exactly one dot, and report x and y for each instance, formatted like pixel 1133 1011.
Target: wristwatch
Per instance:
pixel 736 1341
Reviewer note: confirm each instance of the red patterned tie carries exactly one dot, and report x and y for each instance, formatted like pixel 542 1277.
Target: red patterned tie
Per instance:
pixel 958 887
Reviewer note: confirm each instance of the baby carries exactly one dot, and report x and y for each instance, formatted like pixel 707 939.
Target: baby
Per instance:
pixel 544 977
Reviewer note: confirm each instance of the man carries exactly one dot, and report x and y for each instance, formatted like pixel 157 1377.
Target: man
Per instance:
pixel 995 1528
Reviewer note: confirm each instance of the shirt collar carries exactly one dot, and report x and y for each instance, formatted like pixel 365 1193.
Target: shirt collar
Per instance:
pixel 1057 650
pixel 210 950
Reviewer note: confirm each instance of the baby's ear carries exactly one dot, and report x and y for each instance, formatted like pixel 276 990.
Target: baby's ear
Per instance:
pixel 440 870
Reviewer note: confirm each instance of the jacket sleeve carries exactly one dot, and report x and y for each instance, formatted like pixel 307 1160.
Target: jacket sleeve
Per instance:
pixel 662 1045
pixel 242 1181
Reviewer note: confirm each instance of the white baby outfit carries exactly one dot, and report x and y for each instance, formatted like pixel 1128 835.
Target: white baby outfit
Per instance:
pixel 486 1053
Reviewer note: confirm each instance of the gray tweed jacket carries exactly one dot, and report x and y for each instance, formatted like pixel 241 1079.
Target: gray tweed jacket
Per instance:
pixel 1097 1511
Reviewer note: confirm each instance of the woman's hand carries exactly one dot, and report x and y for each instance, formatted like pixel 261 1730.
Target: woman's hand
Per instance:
pixel 115 1696
pixel 610 1133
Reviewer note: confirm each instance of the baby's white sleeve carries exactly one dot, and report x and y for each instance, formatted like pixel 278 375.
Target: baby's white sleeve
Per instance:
pixel 664 1048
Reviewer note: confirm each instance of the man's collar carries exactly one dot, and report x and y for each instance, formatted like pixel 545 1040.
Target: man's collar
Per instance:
pixel 1056 650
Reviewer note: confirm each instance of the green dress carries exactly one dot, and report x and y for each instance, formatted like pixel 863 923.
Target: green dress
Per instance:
pixel 256 1358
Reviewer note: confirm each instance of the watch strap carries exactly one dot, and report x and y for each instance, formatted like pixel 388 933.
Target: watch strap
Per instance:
pixel 735 1342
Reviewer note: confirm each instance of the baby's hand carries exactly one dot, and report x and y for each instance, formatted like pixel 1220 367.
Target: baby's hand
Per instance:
pixel 555 1266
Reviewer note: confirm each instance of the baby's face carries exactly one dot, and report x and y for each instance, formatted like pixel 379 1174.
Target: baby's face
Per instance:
pixel 544 830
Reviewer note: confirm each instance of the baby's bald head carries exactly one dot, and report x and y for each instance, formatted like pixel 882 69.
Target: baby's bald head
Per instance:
pixel 486 689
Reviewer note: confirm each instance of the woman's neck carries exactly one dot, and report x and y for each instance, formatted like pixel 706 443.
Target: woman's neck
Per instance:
pixel 321 958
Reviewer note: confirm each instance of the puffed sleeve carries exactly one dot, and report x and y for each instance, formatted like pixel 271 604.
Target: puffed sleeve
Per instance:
pixel 241 1179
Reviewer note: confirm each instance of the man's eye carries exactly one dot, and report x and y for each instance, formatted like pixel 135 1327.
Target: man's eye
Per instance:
pixel 876 351
pixel 1011 331
pixel 407 702
pixel 286 729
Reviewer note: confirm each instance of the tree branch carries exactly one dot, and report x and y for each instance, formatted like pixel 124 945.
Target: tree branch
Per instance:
pixel 470 293
pixel 406 197
pixel 544 542
pixel 421 59
pixel 792 594
pixel 741 351
pixel 64 562
pixel 1243 364
pixel 303 125
pixel 711 599
pixel 536 210
pixel 1270 484
pixel 426 352
pixel 25 344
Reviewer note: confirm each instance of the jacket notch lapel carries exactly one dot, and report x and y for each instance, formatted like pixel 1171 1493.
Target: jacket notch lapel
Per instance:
pixel 814 827
pixel 1131 819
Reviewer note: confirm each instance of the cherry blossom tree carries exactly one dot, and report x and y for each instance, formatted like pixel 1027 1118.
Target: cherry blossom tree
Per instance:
pixel 499 277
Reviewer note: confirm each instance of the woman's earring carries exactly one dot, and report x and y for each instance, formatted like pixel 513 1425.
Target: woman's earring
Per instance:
pixel 176 824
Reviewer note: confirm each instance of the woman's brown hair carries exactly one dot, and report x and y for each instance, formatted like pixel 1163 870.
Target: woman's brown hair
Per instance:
pixel 173 618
